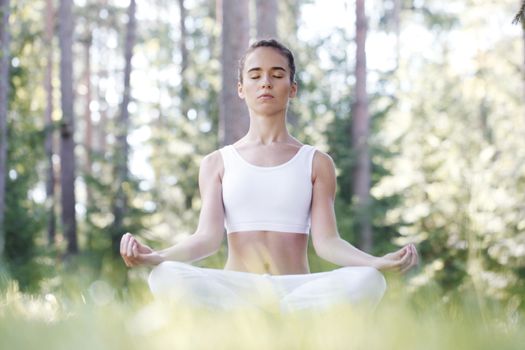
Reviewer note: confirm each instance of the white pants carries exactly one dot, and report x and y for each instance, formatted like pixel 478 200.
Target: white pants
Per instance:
pixel 225 289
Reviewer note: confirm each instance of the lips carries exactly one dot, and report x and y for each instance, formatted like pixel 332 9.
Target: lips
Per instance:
pixel 265 97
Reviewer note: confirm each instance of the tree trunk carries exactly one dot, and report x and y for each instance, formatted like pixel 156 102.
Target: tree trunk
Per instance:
pixel 522 20
pixel 234 118
pixel 67 128
pixel 88 132
pixel 4 101
pixel 184 60
pixel 50 132
pixel 266 18
pixel 120 206
pixel 360 131
pixel 88 125
pixel 218 12
pixel 289 13
pixel 100 131
pixel 101 128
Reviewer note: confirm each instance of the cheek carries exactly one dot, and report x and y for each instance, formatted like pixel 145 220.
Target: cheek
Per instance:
pixel 250 89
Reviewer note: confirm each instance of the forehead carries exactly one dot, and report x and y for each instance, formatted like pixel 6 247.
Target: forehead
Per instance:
pixel 264 57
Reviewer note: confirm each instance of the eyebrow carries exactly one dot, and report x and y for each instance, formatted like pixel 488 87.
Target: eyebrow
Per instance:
pixel 257 69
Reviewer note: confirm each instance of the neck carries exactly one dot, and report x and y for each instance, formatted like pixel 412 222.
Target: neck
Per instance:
pixel 266 130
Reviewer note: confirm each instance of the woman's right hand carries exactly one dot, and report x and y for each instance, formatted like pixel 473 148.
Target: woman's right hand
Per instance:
pixel 135 253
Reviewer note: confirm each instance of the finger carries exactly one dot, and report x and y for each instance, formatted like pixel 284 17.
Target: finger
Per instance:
pixel 408 266
pixel 399 264
pixel 416 254
pixel 123 244
pixel 135 249
pixel 140 246
pixel 400 253
pixel 129 248
pixel 413 261
pixel 126 261
pixel 407 253
pixel 405 261
pixel 414 257
pixel 129 242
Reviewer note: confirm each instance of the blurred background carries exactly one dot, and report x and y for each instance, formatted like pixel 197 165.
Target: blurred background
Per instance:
pixel 108 106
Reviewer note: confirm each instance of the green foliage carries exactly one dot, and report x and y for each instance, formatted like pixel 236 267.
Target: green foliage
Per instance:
pixel 458 167
pixel 186 128
pixel 23 221
pixel 24 218
pixel 334 97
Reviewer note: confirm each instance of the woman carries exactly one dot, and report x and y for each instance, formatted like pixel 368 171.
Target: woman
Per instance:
pixel 270 191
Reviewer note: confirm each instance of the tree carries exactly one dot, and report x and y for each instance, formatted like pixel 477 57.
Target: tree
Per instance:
pixel 24 216
pixel 48 86
pixel 360 131
pixel 87 42
pixel 67 127
pixel 120 206
pixel 288 22
pixel 4 96
pixel 184 93
pixel 266 18
pixel 235 36
pixel 520 17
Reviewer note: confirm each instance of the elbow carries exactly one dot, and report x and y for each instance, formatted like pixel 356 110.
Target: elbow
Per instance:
pixel 322 247
pixel 216 242
pixel 213 248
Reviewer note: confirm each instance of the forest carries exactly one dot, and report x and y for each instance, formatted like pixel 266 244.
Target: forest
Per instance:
pixel 107 108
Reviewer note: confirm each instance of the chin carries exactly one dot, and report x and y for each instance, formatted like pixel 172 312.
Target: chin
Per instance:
pixel 268 109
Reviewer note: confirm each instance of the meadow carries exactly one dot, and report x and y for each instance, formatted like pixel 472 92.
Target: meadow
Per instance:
pixel 99 317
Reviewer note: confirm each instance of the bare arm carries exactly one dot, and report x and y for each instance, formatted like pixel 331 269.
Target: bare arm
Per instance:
pixel 210 231
pixel 326 239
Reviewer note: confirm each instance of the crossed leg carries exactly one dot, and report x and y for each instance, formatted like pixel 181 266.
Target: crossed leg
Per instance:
pixel 229 289
pixel 357 285
pixel 210 287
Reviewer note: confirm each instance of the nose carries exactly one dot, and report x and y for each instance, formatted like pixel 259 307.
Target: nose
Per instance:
pixel 266 83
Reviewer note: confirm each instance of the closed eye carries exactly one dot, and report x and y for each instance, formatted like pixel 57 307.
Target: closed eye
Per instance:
pixel 274 76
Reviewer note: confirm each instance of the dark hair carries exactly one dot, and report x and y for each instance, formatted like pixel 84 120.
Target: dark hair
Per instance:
pixel 283 50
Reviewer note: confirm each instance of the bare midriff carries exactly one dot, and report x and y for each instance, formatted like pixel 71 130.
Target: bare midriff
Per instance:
pixel 267 252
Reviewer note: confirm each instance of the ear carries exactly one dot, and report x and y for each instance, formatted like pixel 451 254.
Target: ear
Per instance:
pixel 293 90
pixel 240 91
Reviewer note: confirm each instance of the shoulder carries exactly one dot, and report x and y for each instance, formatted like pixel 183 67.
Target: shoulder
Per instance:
pixel 322 160
pixel 323 166
pixel 212 163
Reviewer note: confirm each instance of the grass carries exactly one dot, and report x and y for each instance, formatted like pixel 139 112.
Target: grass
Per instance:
pixel 97 318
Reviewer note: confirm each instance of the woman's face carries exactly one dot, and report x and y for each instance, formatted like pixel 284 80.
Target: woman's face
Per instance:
pixel 266 86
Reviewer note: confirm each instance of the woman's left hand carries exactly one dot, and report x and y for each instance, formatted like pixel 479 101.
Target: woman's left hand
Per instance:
pixel 401 260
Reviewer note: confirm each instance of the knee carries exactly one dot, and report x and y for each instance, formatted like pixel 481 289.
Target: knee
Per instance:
pixel 162 278
pixel 157 278
pixel 374 282
pixel 370 282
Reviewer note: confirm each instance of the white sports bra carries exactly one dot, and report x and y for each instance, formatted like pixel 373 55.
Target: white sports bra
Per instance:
pixel 276 198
